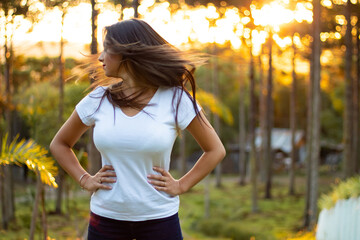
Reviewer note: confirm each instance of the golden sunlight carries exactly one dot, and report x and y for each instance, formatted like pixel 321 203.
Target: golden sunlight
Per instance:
pixel 183 27
pixel 273 15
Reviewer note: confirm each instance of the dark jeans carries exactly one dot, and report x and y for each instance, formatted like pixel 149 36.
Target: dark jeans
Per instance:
pixel 102 228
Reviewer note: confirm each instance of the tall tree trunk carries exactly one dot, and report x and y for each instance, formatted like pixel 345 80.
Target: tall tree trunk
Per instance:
pixel 308 143
pixel 262 118
pixel 268 155
pixel 122 3
pixel 61 175
pixel 349 166
pixel 357 87
pixel 215 90
pixel 293 124
pixel 94 17
pixel 94 157
pixel 355 150
pixel 315 131
pixel 242 134
pixel 135 6
pixel 253 160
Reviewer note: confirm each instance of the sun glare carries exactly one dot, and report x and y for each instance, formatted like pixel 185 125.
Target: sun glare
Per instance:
pixel 272 14
pixel 183 26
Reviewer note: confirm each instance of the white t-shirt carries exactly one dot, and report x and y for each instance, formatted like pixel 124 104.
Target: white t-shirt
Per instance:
pixel 133 146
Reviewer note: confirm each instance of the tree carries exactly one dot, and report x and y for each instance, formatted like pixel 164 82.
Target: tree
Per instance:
pixel 293 29
pixel 242 134
pixel 93 153
pixel 135 5
pixel 122 4
pixel 216 120
pixel 251 132
pixel 313 140
pixel 293 122
pixel 356 146
pixel 63 6
pixel 268 156
pixel 10 9
pixel 262 119
pixel 349 161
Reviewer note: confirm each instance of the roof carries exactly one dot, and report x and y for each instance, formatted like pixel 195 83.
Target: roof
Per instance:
pixel 280 139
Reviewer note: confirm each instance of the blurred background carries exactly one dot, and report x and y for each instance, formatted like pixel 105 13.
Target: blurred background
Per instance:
pixel 281 88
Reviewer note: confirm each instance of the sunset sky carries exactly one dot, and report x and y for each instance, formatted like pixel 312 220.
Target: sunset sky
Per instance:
pixel 198 24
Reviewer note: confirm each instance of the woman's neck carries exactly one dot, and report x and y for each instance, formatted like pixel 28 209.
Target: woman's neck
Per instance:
pixel 130 87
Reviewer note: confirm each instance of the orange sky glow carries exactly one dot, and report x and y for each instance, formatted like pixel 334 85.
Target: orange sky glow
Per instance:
pixel 186 27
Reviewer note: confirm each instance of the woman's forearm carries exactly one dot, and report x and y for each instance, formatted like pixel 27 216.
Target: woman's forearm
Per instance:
pixel 206 163
pixel 67 160
pixel 64 140
pixel 61 148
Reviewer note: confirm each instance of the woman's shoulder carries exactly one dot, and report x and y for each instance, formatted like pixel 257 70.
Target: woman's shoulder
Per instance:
pixel 98 91
pixel 175 95
pixel 93 98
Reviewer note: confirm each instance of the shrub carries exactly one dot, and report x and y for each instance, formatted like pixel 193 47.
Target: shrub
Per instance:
pixel 344 190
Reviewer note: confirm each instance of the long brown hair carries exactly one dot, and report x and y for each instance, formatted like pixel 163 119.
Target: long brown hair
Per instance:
pixel 151 61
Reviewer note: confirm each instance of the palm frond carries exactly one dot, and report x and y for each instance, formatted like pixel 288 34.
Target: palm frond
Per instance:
pixel 29 153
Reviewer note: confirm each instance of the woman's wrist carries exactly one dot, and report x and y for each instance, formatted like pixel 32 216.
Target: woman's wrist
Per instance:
pixel 83 178
pixel 182 187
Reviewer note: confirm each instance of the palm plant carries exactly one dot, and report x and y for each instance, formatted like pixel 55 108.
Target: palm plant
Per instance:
pixel 28 153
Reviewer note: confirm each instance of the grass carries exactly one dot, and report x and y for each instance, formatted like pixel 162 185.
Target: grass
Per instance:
pixel 230 216
pixel 68 226
pixel 230 213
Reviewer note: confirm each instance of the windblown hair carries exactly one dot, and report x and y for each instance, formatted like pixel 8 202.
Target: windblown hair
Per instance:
pixel 151 61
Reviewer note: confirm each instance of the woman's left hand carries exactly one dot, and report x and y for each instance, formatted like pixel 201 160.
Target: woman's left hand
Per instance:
pixel 165 182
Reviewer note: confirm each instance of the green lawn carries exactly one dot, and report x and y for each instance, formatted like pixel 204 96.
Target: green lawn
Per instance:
pixel 230 214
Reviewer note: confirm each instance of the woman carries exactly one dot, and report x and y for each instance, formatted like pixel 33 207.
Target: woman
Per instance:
pixel 136 121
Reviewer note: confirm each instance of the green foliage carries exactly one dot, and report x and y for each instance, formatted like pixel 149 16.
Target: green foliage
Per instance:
pixel 31 70
pixel 30 154
pixel 39 103
pixel 349 188
pixel 330 125
pixel 215 106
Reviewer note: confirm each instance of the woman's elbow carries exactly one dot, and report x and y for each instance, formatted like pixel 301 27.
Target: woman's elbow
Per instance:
pixel 52 146
pixel 221 152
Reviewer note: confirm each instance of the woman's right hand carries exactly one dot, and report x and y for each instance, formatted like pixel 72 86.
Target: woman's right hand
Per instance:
pixel 105 175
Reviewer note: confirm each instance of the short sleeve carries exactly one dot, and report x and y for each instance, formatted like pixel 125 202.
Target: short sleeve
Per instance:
pixel 87 107
pixel 186 111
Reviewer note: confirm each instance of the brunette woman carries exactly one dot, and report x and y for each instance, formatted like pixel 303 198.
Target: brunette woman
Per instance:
pixel 136 119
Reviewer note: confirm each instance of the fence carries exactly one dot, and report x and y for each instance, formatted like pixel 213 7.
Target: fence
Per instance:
pixel 341 222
